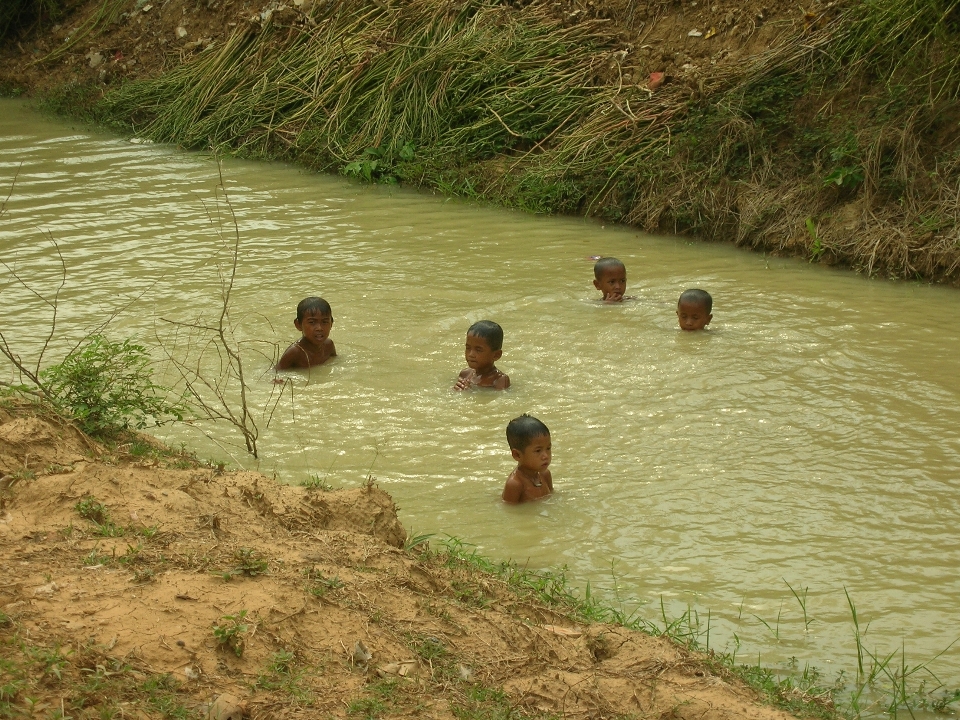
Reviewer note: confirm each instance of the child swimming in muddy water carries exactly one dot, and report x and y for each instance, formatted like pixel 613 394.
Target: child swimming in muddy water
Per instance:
pixel 314 321
pixel 483 348
pixel 693 310
pixel 529 441
pixel 610 278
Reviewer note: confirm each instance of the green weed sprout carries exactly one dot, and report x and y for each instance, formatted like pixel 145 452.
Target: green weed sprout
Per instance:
pixel 89 508
pixel 251 564
pixel 315 482
pixel 229 632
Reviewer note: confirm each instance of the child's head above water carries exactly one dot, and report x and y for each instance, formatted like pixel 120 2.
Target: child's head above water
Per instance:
pixel 529 441
pixel 693 309
pixel 313 306
pixel 314 321
pixel 488 331
pixel 483 348
pixel 523 430
pixel 610 278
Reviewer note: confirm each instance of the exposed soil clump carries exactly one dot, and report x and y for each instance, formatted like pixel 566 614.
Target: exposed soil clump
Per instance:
pixel 147 583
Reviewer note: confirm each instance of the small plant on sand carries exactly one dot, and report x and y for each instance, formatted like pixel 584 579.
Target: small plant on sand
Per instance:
pixel 429 648
pixel 147 531
pixel 366 708
pixel 89 508
pixel 160 693
pixel 132 555
pixel 282 674
pixel 94 558
pixel 107 387
pixel 320 584
pixel 315 482
pixel 251 564
pixel 415 541
pixel 51 660
pixel 229 632
pixel 142 575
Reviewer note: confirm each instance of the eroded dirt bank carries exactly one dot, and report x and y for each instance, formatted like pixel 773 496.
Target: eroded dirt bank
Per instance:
pixel 140 583
pixel 826 130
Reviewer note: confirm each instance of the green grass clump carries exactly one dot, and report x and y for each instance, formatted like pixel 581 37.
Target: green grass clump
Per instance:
pixel 82 683
pixel 315 482
pixel 375 91
pixel 89 508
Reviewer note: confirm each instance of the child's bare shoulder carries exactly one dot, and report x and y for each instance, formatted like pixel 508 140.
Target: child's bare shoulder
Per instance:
pixel 513 489
pixel 293 357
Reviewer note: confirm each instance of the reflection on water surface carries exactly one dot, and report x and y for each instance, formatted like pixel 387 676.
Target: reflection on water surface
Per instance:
pixel 810 437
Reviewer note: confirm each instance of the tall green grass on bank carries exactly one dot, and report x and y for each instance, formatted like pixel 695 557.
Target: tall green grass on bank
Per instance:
pixel 837 143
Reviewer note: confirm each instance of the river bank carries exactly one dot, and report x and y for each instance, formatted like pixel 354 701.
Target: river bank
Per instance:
pixel 827 132
pixel 137 580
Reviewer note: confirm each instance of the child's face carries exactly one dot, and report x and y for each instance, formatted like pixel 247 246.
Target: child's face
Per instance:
pixel 535 457
pixel 693 316
pixel 478 354
pixel 315 327
pixel 612 283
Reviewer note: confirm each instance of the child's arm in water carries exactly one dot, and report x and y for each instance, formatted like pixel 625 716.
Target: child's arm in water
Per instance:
pixel 463 380
pixel 469 378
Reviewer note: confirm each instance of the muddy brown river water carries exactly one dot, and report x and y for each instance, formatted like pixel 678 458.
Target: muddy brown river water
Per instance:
pixel 811 437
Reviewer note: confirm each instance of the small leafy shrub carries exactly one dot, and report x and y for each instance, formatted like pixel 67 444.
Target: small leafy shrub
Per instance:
pixel 142 575
pixel 321 584
pixel 107 388
pixel 251 564
pixel 847 172
pixel 229 632
pixel 315 482
pixel 377 163
pixel 89 508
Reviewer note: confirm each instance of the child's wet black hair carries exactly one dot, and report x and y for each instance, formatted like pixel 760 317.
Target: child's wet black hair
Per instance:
pixel 697 297
pixel 489 331
pixel 522 430
pixel 313 306
pixel 604 264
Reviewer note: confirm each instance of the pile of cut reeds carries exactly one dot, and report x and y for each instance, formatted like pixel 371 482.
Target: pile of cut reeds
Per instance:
pixel 450 79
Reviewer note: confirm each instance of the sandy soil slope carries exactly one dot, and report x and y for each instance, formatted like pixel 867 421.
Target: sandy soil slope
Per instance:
pixel 139 584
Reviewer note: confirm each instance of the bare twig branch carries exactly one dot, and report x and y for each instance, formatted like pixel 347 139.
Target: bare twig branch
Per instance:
pixel 210 394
